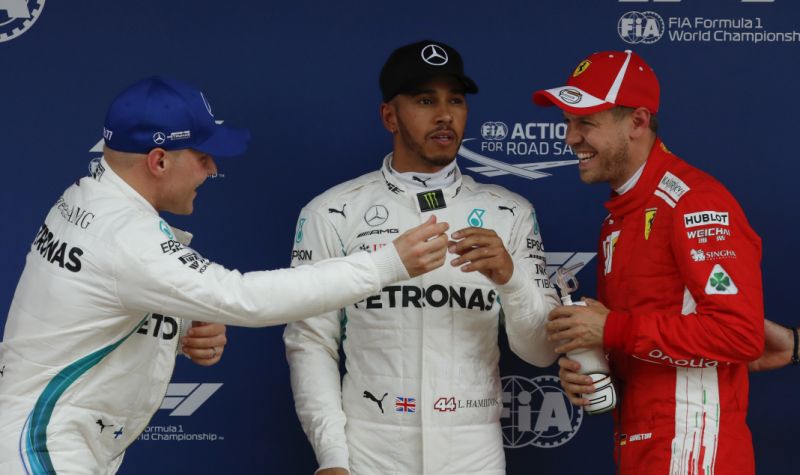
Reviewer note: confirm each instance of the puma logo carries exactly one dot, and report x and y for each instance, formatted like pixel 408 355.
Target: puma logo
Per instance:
pixel 368 395
pixel 423 181
pixel 102 426
pixel 506 208
pixel 334 210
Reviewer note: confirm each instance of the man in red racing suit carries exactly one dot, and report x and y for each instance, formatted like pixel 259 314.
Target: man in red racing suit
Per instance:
pixel 679 281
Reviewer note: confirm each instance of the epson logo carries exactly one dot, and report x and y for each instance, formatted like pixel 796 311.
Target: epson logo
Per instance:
pixel 701 218
pixel 185 398
pixel 302 254
pixel 659 355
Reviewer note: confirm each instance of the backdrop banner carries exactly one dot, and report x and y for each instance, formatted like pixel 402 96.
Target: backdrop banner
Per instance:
pixel 303 76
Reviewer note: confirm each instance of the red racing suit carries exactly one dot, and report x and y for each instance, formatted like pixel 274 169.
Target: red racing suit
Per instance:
pixel 681 275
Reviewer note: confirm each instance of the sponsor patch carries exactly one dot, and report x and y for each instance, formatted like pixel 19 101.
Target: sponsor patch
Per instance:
pixel 570 96
pixel 475 218
pixel 703 218
pixel 720 283
pixel 699 255
pixel 702 235
pixel 302 254
pixel 649 217
pixel 609 244
pixel 431 200
pixel 673 186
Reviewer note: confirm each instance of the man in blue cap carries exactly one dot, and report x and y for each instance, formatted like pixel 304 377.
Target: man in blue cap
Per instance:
pixel 108 286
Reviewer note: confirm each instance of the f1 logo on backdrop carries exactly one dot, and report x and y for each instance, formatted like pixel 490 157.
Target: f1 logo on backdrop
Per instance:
pixel 185 398
pixel 17 16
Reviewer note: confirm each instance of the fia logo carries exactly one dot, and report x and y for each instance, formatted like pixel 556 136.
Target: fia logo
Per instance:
pixel 185 398
pixel 536 412
pixel 640 27
pixel 494 130
pixel 18 16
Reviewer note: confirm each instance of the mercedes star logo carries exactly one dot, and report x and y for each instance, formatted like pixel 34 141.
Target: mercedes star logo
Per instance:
pixel 376 215
pixel 434 55
pixel 159 138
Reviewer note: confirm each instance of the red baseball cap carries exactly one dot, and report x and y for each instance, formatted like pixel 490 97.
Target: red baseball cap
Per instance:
pixel 602 81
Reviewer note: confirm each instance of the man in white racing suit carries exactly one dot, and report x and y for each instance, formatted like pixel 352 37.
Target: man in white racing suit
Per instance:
pixel 421 393
pixel 93 329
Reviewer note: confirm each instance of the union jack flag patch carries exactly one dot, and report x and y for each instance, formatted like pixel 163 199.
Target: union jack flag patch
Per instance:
pixel 405 405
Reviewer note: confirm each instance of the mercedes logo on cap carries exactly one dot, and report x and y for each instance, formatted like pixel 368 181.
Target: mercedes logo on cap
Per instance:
pixel 434 55
pixel 159 138
pixel 376 215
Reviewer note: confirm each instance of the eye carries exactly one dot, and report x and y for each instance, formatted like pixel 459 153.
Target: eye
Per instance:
pixel 426 101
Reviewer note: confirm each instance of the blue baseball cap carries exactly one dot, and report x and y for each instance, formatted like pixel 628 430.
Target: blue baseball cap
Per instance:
pixel 169 114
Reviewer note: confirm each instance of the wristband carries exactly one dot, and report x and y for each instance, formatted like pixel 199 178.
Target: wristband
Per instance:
pixel 795 356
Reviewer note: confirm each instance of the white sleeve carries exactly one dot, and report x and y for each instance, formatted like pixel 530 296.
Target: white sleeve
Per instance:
pixel 312 349
pixel 527 298
pixel 157 274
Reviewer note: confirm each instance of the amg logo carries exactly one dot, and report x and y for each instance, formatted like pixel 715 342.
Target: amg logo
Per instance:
pixel 705 217
pixel 436 296
pixel 74 214
pixel 55 251
pixel 378 231
pixel 301 254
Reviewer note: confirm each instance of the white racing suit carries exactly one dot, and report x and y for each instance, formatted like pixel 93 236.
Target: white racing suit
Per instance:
pixel 421 393
pixel 92 333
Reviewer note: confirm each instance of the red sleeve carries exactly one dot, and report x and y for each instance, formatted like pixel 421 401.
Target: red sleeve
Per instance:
pixel 718 259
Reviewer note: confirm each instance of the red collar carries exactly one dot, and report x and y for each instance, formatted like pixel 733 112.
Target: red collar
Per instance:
pixel 634 199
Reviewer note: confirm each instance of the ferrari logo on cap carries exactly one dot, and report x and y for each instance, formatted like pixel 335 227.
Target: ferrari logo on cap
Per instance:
pixel 649 217
pixel 581 68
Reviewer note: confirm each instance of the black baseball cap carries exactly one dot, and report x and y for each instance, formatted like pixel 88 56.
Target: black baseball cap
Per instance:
pixel 414 64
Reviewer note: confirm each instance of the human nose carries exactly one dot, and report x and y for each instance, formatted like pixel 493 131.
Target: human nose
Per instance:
pixel 211 167
pixel 573 137
pixel 444 114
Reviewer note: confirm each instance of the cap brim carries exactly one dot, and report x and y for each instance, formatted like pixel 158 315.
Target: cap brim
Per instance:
pixel 470 87
pixel 225 142
pixel 571 99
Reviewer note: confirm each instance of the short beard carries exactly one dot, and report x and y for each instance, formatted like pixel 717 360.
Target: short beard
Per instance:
pixel 436 161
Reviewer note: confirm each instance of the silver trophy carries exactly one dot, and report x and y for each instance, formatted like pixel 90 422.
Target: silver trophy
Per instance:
pixel 592 360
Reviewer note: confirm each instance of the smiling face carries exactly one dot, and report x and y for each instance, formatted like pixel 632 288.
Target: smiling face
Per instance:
pixel 188 170
pixel 428 125
pixel 601 143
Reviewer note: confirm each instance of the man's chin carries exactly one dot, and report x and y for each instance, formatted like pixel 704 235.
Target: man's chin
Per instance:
pixel 441 160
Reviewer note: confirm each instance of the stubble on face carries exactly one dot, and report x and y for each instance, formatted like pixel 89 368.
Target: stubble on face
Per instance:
pixel 613 163
pixel 440 159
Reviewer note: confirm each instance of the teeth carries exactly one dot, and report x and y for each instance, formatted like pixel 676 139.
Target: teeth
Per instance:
pixel 585 155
